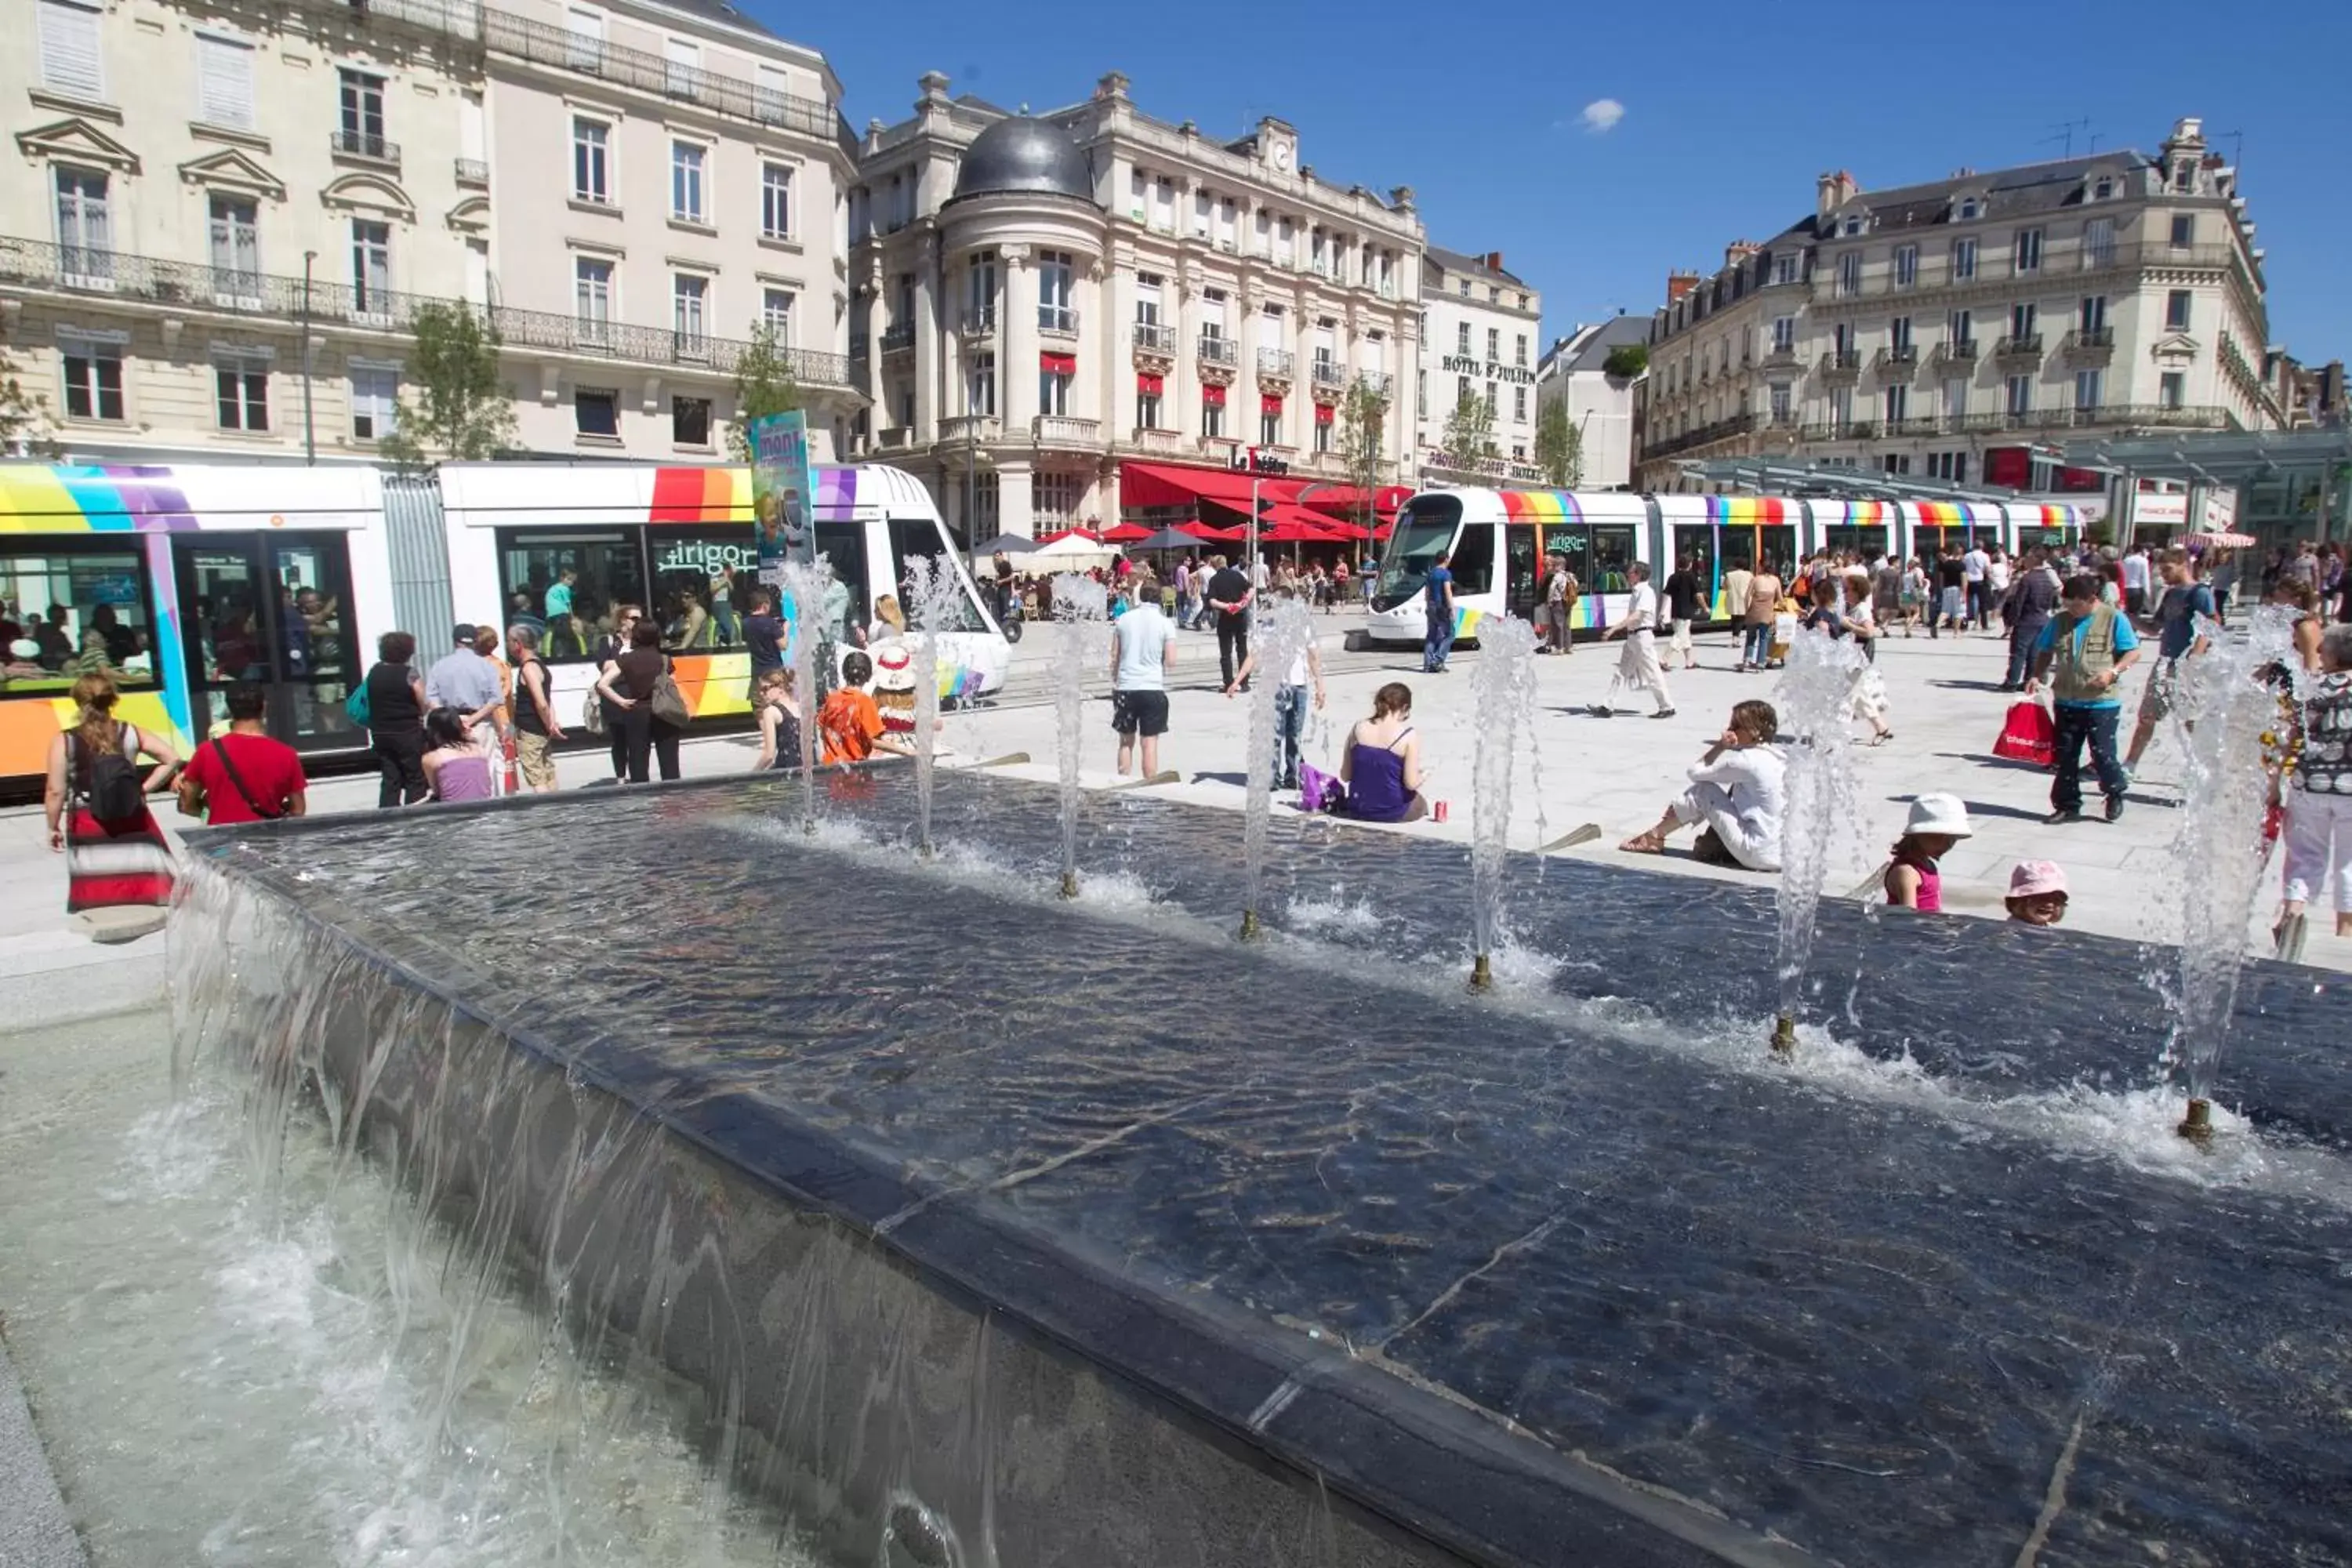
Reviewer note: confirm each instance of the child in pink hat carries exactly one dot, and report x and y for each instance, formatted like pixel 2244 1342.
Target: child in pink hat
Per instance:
pixel 2037 893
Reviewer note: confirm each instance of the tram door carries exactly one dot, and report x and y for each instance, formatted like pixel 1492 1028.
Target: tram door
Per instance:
pixel 1522 571
pixel 272 610
pixel 1692 544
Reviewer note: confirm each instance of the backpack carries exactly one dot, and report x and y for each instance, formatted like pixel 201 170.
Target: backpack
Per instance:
pixel 109 780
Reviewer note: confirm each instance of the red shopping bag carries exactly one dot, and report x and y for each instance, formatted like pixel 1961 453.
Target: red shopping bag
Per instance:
pixel 2030 735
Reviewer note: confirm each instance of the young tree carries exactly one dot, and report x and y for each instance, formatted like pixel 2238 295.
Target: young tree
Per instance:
pixel 1560 445
pixel 1625 361
pixel 460 411
pixel 22 413
pixel 763 385
pixel 1361 418
pixel 1470 432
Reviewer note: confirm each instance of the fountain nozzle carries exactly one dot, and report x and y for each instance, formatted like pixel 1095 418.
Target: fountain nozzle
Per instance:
pixel 2197 1125
pixel 1069 884
pixel 1251 930
pixel 1482 973
pixel 1784 1035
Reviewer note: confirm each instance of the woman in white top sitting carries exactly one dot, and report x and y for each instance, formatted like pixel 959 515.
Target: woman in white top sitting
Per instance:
pixel 1736 794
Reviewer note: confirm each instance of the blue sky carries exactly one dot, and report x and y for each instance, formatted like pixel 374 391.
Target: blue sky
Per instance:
pixel 1728 111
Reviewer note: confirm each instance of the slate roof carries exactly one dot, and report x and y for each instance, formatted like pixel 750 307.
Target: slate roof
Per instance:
pixel 720 11
pixel 1617 331
pixel 1454 261
pixel 2019 192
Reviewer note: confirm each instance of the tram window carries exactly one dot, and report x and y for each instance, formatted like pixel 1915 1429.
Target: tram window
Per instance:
pixel 66 613
pixel 1474 559
pixel 571 580
pixel 849 600
pixel 1613 557
pixel 914 536
pixel 1425 526
pixel 702 582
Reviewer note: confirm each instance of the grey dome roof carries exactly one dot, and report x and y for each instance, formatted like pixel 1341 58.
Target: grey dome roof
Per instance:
pixel 1023 154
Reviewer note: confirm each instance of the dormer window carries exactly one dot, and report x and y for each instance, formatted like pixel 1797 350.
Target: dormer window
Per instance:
pixel 2184 175
pixel 1969 210
pixel 2103 189
pixel 1855 224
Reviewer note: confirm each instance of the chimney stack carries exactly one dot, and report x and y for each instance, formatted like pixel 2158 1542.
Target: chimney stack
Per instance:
pixel 1833 190
pixel 1679 284
pixel 1494 261
pixel 1739 250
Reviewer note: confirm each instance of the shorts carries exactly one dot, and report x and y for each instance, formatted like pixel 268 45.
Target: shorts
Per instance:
pixel 532 759
pixel 2156 700
pixel 1140 711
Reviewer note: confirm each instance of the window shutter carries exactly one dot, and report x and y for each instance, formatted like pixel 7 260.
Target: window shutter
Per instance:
pixel 69 54
pixel 224 83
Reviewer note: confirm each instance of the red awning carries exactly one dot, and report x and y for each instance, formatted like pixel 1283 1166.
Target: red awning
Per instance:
pixel 1058 364
pixel 1295 525
pixel 1213 395
pixel 1209 530
pixel 1146 384
pixel 1268 403
pixel 1322 414
pixel 1065 533
pixel 1337 529
pixel 1126 533
pixel 1179 484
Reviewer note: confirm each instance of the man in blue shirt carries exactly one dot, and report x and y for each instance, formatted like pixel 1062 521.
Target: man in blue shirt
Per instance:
pixel 2085 650
pixel 1439 644
pixel 2187 603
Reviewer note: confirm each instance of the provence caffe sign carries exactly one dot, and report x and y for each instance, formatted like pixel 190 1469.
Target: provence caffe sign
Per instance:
pixel 1493 370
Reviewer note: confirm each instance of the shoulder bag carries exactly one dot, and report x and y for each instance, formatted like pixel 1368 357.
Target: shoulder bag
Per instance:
pixel 670 703
pixel 237 779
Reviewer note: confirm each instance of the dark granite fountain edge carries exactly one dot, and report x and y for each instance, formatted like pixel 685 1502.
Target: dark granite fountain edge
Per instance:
pixel 1412 1459
pixel 2281 1069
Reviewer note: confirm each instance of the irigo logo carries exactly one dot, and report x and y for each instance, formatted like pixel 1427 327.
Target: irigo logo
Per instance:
pixel 708 558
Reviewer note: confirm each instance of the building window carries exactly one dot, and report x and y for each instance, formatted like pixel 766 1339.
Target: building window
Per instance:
pixel 1466 287
pixel 1779 402
pixel 362 111
pixel 225 82
pixel 2172 389
pixel 689 298
pixel 1898 336
pixel 1421 394
pixel 1784 269
pixel 2021 394
pixel 776 201
pixel 69 49
pixel 2102 190
pixel 1956 399
pixel 681 61
pixel 1147 300
pixel 1055 270
pixel 1494 345
pixel 1053 386
pixel 375 403
pixel 689 421
pixel 1521 361
pixel 1960 329
pixel 1494 400
pixel 2184 230
pixel 93 369
pixel 241 392
pixel 1897 404
pixel 592 296
pixel 1907 265
pixel 1054 497
pixel 2099 242
pixel 1270 422
pixel 1212 411
pixel 1519 404
pixel 979 386
pixel 370 268
pixel 2094 315
pixel 776 315
pixel 2087 386
pixel 2029 250
pixel 1147 402
pixel 1462 340
pixel 85 226
pixel 596 411
pixel 591 172
pixel 1969 210
pixel 685 181
pixel 2023 321
pixel 2175 311
pixel 1784 333
pixel 1323 417
pixel 979 291
pixel 1849 273
pixel 984 493
pixel 1461 392
pixel 236 247
pixel 1964 259
pixel 1950 466
pixel 1895 463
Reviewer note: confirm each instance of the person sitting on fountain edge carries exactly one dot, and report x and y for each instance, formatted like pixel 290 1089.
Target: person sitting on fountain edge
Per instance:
pixel 1736 791
pixel 850 722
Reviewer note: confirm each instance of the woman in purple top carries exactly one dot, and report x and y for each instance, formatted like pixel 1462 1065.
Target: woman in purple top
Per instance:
pixel 1381 766
pixel 453 768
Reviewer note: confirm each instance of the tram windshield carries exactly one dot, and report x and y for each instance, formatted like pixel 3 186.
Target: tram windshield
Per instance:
pixel 1425 529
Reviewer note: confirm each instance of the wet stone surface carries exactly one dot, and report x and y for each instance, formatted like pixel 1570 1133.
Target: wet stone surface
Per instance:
pixel 1868 1304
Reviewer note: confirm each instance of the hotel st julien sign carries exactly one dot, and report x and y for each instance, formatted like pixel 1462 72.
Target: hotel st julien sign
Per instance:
pixel 1493 370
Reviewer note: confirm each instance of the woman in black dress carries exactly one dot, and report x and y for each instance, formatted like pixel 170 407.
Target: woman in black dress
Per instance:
pixel 396 720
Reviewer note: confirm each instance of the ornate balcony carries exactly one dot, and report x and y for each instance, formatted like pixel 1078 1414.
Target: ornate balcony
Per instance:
pixel 365 146
pixel 1154 347
pixel 899 341
pixel 1060 432
pixel 1841 366
pixel 472 173
pixel 1898 357
pixel 2089 346
pixel 979 323
pixel 127 281
pixel 1781 356
pixel 2024 350
pixel 896 438
pixel 1379 383
pixel 969 429
pixel 1957 351
pixel 1275 369
pixel 1158 442
pixel 1329 376
pixel 1220 449
pixel 1220 358
pixel 1057 321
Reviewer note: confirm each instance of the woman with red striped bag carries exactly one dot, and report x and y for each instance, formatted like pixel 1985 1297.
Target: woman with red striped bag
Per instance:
pixel 115 854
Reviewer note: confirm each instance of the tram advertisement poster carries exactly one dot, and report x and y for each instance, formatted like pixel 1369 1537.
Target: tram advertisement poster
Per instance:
pixel 783 493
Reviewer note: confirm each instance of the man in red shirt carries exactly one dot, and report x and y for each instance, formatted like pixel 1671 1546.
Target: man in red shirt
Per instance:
pixel 244 775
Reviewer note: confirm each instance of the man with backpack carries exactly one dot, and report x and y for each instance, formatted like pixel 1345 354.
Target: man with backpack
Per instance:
pixel 244 775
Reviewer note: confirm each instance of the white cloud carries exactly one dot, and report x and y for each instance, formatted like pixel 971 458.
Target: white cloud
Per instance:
pixel 1602 115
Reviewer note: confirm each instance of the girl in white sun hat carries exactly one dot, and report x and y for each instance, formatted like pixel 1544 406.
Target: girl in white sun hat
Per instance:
pixel 1913 882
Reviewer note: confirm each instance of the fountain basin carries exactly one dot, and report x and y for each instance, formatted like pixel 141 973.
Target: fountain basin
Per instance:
pixel 956 1199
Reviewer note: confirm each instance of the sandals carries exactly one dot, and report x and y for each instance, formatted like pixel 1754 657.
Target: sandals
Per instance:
pixel 1880 740
pixel 1648 843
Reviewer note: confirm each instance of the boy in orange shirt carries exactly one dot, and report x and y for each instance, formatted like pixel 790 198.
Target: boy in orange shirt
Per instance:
pixel 851 723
